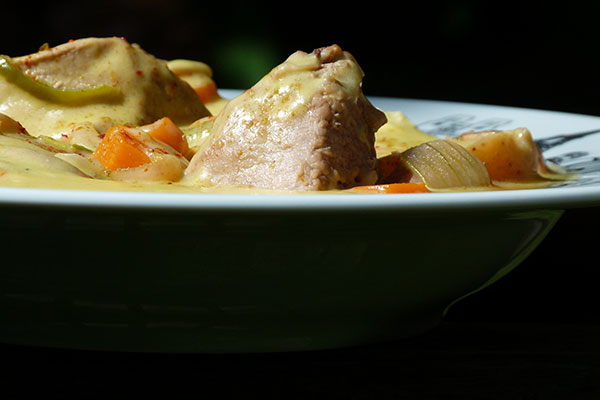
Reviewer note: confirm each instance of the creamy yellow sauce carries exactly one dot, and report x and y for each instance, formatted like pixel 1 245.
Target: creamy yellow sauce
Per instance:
pixel 18 171
pixel 13 178
pixel 56 180
pixel 15 172
pixel 398 134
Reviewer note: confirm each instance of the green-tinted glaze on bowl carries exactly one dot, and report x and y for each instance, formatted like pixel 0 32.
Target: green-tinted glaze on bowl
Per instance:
pixel 242 273
pixel 245 281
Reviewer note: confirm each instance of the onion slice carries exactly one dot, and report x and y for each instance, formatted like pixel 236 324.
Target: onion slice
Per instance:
pixel 442 164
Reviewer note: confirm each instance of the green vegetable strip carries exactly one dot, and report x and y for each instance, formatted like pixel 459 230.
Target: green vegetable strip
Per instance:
pixel 65 96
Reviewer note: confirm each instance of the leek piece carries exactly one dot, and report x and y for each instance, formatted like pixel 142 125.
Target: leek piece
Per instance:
pixel 100 93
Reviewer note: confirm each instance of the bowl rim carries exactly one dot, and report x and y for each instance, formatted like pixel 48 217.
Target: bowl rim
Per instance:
pixel 558 197
pixel 525 199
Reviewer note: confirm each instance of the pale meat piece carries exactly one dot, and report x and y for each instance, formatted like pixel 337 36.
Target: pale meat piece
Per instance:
pixel 146 90
pixel 305 126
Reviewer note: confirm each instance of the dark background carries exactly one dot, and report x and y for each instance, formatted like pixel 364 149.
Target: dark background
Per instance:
pixel 518 54
pixel 526 54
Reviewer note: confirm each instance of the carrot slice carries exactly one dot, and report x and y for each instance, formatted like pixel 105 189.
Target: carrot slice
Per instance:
pixel 408 187
pixel 167 132
pixel 207 92
pixel 117 150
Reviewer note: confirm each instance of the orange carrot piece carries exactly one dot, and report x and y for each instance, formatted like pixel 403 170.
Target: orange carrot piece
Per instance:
pixel 207 92
pixel 409 187
pixel 117 150
pixel 167 132
pixel 392 169
pixel 388 164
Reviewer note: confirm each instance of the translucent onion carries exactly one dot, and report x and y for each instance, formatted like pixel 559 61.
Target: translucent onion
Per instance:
pixel 442 164
pixel 164 167
pixel 19 152
pixel 42 90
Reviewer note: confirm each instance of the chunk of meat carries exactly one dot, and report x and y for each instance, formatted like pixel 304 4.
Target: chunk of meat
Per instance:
pixel 148 89
pixel 305 126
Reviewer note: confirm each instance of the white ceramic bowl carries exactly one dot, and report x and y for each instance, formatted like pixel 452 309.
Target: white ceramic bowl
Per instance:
pixel 173 272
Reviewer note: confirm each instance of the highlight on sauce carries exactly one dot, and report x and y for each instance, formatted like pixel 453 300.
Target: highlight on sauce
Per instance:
pixel 103 114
